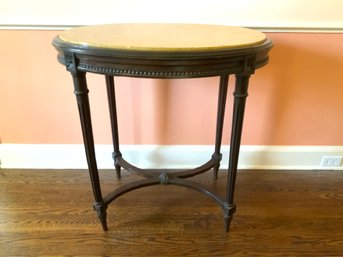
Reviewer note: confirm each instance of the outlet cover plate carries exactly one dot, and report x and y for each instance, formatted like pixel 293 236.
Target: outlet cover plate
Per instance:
pixel 331 161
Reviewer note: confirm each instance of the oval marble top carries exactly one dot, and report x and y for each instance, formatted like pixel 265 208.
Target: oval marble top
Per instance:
pixel 163 37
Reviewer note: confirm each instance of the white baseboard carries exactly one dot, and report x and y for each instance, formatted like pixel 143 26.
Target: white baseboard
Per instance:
pixel 59 156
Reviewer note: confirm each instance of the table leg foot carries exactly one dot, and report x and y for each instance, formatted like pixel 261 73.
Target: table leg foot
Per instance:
pixel 229 210
pixel 115 155
pixel 227 222
pixel 215 172
pixel 118 171
pixel 217 157
pixel 101 212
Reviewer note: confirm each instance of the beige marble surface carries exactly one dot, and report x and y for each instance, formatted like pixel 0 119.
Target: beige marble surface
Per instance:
pixel 160 37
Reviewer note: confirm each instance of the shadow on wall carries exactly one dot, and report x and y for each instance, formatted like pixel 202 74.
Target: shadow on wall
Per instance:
pixel 164 112
pixel 295 100
pixel 150 108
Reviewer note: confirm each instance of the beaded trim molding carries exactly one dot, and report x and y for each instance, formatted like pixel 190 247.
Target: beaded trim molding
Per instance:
pixel 131 72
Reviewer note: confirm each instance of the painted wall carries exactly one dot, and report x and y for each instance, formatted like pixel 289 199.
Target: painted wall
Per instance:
pixel 295 100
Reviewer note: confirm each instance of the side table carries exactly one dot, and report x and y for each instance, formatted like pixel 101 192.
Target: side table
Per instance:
pixel 167 51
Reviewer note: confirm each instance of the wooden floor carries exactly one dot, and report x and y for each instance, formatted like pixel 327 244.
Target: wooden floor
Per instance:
pixel 279 213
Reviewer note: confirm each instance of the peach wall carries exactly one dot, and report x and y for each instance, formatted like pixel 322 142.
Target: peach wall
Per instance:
pixel 295 100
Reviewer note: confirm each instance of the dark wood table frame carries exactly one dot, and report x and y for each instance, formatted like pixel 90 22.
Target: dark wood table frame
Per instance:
pixel 240 62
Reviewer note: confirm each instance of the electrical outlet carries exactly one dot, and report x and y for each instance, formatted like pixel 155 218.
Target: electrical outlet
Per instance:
pixel 331 161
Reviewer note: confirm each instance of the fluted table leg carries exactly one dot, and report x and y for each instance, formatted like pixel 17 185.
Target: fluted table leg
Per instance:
pixel 114 122
pixel 240 95
pixel 81 93
pixel 223 84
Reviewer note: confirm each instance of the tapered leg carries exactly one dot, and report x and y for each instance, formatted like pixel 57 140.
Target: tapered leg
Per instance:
pixel 223 85
pixel 114 121
pixel 81 93
pixel 240 94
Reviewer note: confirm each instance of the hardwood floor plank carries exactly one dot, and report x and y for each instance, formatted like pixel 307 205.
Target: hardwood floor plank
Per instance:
pixel 279 213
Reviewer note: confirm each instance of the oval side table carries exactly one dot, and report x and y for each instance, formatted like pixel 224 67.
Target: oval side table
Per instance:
pixel 167 51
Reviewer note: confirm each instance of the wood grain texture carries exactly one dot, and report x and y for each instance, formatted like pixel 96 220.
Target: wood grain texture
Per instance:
pixel 279 213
